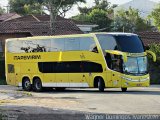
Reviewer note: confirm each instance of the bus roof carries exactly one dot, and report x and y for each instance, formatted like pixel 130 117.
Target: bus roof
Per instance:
pixel 115 33
pixel 48 37
pixel 75 35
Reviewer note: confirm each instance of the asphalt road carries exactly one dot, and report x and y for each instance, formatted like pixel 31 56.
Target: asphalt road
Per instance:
pixel 74 102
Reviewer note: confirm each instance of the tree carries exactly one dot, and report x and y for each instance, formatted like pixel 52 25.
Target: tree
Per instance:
pixel 98 14
pixel 102 4
pixel 82 17
pixel 84 10
pixel 129 21
pixel 100 18
pixel 25 7
pixel 55 7
pixel 2 10
pixel 155 15
pixel 99 4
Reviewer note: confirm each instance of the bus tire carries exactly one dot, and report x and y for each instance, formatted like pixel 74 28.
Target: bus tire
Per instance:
pixel 37 85
pixel 124 89
pixel 101 84
pixel 60 88
pixel 26 84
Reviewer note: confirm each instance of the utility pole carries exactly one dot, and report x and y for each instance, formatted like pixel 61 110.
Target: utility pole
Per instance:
pixel 7 8
pixel 53 9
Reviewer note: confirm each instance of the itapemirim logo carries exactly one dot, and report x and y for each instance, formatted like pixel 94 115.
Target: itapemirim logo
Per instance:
pixel 28 57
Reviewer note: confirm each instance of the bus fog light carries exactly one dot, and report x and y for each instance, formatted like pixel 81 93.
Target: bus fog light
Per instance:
pixel 126 83
pixel 126 78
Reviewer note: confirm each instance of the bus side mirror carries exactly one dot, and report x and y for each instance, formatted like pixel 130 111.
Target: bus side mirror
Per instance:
pixel 152 54
pixel 116 52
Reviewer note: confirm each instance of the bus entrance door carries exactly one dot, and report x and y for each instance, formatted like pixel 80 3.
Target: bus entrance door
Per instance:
pixel 116 67
pixel 116 79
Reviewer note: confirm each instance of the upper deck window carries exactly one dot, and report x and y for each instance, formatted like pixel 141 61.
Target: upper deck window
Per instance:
pixel 107 42
pixel 131 44
pixel 53 44
pixel 124 43
pixel 1 46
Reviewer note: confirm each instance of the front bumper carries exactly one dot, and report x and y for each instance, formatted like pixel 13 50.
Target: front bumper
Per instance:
pixel 135 81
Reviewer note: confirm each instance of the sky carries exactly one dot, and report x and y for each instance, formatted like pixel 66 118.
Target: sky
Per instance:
pixel 74 10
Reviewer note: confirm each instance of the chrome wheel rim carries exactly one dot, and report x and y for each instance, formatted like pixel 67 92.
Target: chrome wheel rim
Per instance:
pixel 27 84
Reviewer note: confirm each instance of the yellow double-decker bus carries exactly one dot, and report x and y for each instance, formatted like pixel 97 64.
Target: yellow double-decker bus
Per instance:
pixel 96 60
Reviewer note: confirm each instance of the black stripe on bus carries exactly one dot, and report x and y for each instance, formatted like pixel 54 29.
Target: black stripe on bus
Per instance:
pixel 69 67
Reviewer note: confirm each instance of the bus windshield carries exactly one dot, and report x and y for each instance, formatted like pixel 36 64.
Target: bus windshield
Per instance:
pixel 135 65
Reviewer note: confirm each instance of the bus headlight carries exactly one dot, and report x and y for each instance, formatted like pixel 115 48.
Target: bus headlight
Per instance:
pixel 144 79
pixel 135 80
pixel 126 78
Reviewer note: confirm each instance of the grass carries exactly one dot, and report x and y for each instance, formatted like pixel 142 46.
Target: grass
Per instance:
pixel 3 82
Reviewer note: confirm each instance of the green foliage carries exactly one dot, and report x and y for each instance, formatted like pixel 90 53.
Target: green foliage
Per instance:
pixel 155 48
pixel 154 67
pixel 24 7
pixel 84 10
pixel 130 21
pixel 54 7
pixel 2 10
pixel 102 4
pixel 99 4
pixel 99 17
pixel 155 15
pixel 82 17
pixel 97 14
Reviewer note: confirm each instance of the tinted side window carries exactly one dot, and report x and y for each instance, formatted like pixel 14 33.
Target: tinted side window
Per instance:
pixel 72 44
pixel 15 46
pixel 47 67
pixel 11 68
pixel 131 43
pixel 57 44
pixel 107 42
pixel 69 67
pixel 87 43
pixel 91 67
pixel 28 46
pixel 62 67
pixel 75 67
pixel 53 44
pixel 1 46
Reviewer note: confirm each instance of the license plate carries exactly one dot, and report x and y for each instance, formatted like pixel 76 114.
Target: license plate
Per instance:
pixel 139 85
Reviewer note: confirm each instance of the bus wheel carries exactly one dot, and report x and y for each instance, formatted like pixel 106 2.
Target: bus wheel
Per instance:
pixel 101 85
pixel 60 88
pixel 26 84
pixel 124 89
pixel 37 85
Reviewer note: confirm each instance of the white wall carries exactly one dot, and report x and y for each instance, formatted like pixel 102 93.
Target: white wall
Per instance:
pixel 86 28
